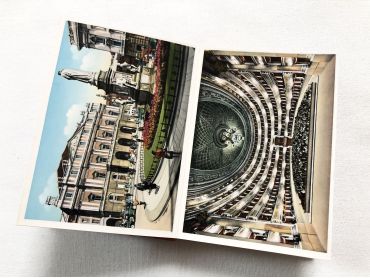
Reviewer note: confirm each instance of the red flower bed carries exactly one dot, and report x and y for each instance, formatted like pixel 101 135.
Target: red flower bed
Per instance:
pixel 151 120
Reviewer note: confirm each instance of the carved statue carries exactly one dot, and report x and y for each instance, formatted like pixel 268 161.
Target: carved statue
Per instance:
pixel 79 75
pixel 128 67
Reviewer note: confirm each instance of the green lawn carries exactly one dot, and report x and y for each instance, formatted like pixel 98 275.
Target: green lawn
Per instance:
pixel 148 157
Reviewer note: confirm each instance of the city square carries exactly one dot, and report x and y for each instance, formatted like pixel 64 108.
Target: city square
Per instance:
pixel 121 165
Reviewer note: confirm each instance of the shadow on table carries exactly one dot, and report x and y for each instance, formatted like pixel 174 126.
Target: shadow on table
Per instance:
pixel 79 253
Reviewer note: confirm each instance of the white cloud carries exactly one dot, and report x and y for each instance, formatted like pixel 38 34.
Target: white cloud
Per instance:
pixel 50 189
pixel 73 117
pixel 77 54
pixel 91 59
pixel 96 60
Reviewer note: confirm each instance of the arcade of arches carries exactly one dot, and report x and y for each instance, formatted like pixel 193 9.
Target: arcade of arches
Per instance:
pixel 253 161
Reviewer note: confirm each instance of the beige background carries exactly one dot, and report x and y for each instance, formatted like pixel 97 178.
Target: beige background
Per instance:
pixel 30 36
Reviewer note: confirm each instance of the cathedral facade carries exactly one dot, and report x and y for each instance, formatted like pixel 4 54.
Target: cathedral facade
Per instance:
pixel 91 36
pixel 97 168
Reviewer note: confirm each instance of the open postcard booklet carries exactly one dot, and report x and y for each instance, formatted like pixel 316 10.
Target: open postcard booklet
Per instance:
pixel 147 137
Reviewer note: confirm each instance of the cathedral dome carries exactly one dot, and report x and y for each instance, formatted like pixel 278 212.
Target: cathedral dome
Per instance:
pixel 220 136
pixel 223 137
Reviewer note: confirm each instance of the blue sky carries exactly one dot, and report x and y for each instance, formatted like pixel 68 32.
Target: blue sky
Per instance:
pixel 67 99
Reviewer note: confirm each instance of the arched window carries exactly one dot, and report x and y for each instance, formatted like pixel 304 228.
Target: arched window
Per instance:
pixel 104 146
pixel 116 198
pixel 126 129
pixel 101 159
pixel 116 43
pixel 68 195
pixel 122 155
pixel 113 113
pixel 109 122
pixel 125 142
pixel 99 175
pixel 94 197
pixel 84 220
pixel 97 40
pixel 107 134
pixel 120 176
pixel 114 222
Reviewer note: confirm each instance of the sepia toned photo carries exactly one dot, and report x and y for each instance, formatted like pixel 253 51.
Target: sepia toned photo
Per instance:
pixel 261 159
pixel 111 146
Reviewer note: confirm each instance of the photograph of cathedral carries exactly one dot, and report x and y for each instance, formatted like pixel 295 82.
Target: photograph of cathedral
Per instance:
pixel 113 143
pixel 261 159
pixel 111 146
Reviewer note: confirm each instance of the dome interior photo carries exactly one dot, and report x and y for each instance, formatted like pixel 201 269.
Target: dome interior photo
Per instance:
pixel 255 163
pixel 224 133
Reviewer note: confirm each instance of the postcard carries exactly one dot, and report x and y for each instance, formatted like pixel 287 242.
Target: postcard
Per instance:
pixel 261 158
pixel 148 137
pixel 111 147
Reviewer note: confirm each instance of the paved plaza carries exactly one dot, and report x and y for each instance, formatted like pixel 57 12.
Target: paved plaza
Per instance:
pixel 159 205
